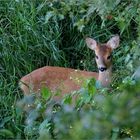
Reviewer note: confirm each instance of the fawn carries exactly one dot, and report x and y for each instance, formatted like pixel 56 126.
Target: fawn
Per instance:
pixel 67 80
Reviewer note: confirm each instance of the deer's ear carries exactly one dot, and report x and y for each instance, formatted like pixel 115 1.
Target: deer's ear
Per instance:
pixel 91 43
pixel 114 42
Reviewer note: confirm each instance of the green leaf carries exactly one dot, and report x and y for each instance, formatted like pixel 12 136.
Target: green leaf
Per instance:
pixel 80 24
pixel 85 98
pixel 48 16
pixel 67 100
pixel 45 92
pixel 33 115
pixel 5 120
pixel 61 16
pixel 6 133
pixel 91 86
pixel 45 125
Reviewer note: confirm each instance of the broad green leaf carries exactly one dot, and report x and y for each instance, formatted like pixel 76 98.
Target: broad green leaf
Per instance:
pixel 45 92
pixel 67 100
pixel 91 86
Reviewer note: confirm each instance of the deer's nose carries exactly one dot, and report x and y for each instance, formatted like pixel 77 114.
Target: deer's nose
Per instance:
pixel 102 69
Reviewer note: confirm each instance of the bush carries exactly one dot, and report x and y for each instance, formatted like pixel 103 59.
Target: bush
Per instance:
pixel 97 116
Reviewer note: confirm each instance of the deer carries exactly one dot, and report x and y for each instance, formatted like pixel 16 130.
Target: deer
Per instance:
pixel 67 80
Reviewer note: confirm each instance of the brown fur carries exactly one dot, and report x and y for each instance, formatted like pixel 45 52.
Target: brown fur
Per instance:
pixel 103 51
pixel 56 79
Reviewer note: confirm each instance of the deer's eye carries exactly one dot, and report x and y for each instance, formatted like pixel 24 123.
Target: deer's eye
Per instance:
pixel 109 57
pixel 96 56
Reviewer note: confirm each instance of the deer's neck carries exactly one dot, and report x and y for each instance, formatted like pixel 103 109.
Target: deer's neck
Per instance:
pixel 105 77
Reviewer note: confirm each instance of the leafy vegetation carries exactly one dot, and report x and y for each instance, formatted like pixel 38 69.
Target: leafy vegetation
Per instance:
pixel 51 32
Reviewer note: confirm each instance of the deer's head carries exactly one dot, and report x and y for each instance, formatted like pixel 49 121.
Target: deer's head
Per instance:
pixel 103 51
